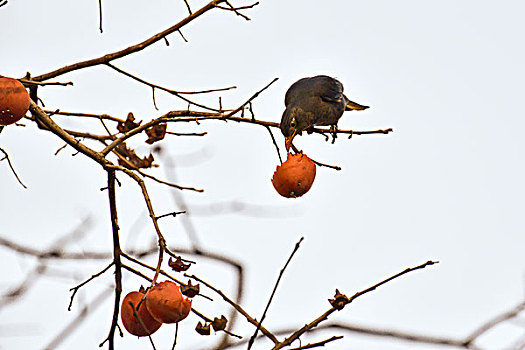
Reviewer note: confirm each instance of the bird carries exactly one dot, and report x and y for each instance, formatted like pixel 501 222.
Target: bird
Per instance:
pixel 313 101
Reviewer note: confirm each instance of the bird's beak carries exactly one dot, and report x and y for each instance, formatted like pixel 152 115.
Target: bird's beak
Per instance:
pixel 353 106
pixel 288 142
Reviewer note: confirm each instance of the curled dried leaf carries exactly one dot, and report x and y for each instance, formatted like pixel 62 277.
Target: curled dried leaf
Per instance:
pixel 132 159
pixel 178 265
pixel 203 329
pixel 129 124
pixel 156 133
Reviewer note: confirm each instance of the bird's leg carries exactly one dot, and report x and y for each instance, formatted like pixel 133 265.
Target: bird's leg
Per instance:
pixel 333 132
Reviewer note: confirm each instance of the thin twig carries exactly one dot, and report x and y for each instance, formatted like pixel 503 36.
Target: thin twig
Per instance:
pixel 318 344
pixel 100 15
pixel 182 36
pixel 236 9
pixel 189 10
pixel 187 133
pixel 275 143
pixel 29 82
pixel 76 288
pixel 89 115
pixel 6 157
pixel 173 92
pixel 254 96
pixel 252 339
pixel 116 256
pixel 174 214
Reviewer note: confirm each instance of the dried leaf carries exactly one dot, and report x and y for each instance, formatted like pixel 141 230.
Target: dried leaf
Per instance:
pixel 190 290
pixel 219 324
pixel 132 158
pixel 156 133
pixel 129 124
pixel 203 329
pixel 178 265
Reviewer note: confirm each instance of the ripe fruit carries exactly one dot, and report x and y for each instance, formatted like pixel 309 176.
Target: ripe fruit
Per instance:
pixel 132 324
pixel 166 303
pixel 14 101
pixel 294 177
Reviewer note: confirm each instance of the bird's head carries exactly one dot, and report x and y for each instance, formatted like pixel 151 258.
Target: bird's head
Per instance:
pixel 291 125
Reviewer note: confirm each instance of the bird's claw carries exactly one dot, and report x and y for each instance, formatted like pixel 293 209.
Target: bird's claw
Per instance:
pixel 333 132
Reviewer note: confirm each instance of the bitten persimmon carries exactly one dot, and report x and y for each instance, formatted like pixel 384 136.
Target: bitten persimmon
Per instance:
pixel 147 325
pixel 294 177
pixel 166 303
pixel 14 101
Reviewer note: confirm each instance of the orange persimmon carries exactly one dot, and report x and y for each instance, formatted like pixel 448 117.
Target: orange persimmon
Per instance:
pixel 147 325
pixel 14 101
pixel 166 303
pixel 294 177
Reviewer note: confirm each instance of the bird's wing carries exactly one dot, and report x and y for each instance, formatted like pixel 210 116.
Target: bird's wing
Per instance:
pixel 295 91
pixel 328 88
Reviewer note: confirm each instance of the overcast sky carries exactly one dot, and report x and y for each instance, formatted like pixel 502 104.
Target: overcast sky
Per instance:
pixel 446 185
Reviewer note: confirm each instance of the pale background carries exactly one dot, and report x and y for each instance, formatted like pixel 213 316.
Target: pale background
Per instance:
pixel 447 76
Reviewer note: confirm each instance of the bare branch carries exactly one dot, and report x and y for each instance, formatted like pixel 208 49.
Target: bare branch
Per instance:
pixel 116 257
pixel 252 339
pixel 325 315
pixel 132 49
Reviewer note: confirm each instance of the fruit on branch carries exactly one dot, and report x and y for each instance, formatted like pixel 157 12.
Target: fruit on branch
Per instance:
pixel 166 303
pixel 14 101
pixel 137 322
pixel 294 177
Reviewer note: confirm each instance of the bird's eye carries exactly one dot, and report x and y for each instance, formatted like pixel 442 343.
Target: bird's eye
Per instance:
pixel 293 124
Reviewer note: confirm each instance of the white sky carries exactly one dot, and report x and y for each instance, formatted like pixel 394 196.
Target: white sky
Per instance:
pixel 446 185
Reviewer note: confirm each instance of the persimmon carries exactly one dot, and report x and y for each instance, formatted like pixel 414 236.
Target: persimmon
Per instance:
pixel 166 303
pixel 147 325
pixel 14 101
pixel 295 176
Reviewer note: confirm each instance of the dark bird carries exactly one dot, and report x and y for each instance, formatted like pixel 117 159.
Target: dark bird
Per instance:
pixel 313 101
